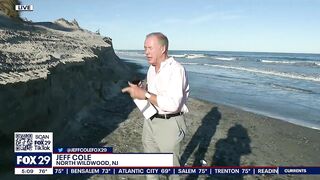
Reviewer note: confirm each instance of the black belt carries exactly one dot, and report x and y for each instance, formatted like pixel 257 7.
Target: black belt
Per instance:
pixel 166 116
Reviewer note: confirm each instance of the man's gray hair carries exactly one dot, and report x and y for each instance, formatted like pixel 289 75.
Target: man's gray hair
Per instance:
pixel 163 40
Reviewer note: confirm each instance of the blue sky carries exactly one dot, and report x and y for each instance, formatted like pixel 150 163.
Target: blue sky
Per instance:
pixel 221 25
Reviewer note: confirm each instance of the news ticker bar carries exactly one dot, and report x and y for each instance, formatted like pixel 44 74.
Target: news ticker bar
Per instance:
pixel 174 170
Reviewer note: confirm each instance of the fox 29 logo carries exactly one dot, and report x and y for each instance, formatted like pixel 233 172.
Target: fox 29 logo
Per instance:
pixel 33 159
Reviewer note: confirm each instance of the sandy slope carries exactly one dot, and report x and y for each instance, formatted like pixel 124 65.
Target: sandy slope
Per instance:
pixel 28 50
pixel 50 74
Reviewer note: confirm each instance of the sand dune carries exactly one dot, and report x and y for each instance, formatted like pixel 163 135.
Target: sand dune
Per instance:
pixel 30 49
pixel 50 75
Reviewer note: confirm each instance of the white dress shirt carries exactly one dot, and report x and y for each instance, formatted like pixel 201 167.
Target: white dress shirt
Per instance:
pixel 171 86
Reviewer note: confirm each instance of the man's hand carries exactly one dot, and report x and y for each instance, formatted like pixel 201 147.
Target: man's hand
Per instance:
pixel 134 91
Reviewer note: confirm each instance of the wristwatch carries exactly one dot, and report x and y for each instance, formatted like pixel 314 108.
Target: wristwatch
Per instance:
pixel 147 95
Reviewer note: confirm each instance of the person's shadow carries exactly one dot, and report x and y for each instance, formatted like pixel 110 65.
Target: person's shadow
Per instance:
pixel 201 139
pixel 229 151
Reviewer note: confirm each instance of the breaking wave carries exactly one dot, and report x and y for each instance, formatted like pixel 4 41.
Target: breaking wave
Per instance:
pixel 301 63
pixel 267 72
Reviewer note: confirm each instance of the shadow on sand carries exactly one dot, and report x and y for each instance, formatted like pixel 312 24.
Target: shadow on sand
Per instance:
pixel 201 139
pixel 229 150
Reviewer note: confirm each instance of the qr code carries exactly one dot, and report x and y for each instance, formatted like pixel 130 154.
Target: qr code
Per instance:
pixel 33 141
pixel 24 142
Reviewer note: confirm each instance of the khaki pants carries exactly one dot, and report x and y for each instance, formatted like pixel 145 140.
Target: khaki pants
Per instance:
pixel 164 136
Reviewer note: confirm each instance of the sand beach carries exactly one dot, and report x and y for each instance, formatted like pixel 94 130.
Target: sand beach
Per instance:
pixel 73 89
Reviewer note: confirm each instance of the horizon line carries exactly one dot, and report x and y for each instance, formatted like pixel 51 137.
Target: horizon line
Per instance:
pixel 313 53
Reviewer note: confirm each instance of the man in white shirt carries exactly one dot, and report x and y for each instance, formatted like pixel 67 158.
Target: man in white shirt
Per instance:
pixel 168 90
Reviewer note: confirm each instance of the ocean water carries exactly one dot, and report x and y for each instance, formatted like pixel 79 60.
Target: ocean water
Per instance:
pixel 280 85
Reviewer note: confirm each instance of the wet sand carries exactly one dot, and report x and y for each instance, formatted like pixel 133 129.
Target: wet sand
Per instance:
pixel 226 136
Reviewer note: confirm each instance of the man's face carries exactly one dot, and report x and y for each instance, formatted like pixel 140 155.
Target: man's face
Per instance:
pixel 153 50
